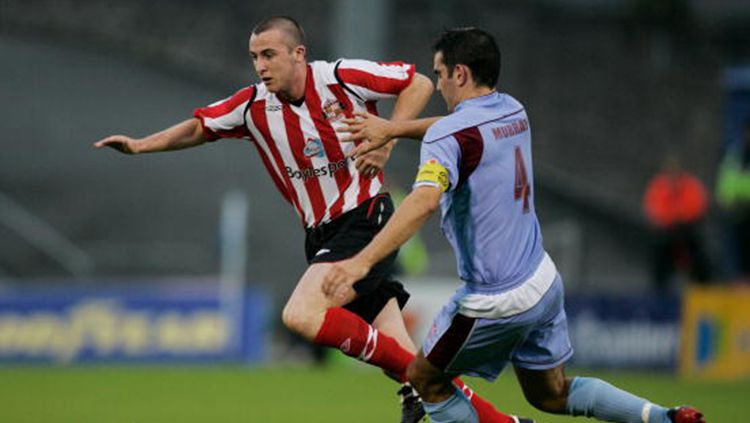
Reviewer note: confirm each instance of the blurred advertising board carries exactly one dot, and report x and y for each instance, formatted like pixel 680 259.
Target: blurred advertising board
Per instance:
pixel 635 332
pixel 135 323
pixel 716 333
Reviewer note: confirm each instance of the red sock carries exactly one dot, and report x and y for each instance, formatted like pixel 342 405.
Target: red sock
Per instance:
pixel 348 332
pixel 486 413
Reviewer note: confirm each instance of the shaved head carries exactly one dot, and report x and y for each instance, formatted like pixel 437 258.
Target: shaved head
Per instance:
pixel 292 30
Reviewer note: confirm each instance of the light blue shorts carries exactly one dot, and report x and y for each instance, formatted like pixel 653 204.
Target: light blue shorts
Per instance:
pixel 534 339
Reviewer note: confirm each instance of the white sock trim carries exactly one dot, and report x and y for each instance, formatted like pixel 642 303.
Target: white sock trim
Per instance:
pixel 370 345
pixel 646 411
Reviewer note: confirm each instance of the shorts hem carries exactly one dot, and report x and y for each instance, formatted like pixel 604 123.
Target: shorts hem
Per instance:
pixel 544 366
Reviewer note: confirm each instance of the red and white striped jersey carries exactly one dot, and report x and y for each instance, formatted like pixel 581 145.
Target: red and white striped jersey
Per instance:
pixel 298 143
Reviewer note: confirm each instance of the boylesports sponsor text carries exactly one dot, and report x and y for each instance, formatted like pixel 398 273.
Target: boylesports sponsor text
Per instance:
pixel 316 172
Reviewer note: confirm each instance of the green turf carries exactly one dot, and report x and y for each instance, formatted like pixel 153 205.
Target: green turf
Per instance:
pixel 237 394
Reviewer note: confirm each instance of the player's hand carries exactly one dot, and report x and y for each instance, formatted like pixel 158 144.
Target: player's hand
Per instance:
pixel 370 164
pixel 121 143
pixel 338 280
pixel 366 126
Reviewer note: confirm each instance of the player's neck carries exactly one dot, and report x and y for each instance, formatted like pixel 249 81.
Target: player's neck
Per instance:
pixel 297 90
pixel 474 92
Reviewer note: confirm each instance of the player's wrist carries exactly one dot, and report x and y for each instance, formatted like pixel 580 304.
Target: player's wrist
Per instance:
pixel 365 261
pixel 398 128
pixel 135 147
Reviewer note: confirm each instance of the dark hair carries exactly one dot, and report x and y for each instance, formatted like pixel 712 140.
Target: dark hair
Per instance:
pixel 283 23
pixel 471 47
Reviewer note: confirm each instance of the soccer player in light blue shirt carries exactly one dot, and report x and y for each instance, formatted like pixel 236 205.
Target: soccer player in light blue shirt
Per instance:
pixel 476 165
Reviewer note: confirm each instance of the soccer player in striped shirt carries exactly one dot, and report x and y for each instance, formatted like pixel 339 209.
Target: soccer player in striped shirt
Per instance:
pixel 291 117
pixel 476 167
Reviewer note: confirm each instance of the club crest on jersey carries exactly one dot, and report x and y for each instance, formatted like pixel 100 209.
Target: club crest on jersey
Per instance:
pixel 333 110
pixel 314 148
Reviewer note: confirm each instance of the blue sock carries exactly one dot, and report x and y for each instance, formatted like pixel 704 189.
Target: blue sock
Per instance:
pixel 595 398
pixel 457 408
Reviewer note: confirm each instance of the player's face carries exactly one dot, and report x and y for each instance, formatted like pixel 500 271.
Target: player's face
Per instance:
pixel 445 84
pixel 275 59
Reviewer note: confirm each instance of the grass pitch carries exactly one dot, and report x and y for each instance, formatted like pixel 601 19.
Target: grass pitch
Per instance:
pixel 249 395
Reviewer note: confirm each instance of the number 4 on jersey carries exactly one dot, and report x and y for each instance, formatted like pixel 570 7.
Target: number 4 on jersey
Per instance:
pixel 522 189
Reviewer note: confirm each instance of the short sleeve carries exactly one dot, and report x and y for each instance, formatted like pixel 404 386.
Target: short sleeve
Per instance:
pixel 226 118
pixel 446 153
pixel 374 80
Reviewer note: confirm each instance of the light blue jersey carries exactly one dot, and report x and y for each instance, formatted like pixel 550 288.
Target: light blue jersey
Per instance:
pixel 510 307
pixel 488 209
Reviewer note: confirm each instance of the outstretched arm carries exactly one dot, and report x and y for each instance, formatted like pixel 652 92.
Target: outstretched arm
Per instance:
pixel 378 131
pixel 409 104
pixel 185 134
pixel 416 208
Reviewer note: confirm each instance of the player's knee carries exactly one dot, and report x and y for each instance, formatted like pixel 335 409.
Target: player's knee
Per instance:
pixel 296 321
pixel 549 401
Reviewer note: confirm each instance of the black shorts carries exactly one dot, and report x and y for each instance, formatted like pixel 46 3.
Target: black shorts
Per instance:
pixel 344 237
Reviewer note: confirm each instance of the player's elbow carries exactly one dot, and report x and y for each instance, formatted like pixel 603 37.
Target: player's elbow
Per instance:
pixel 427 199
pixel 298 321
pixel 430 207
pixel 423 84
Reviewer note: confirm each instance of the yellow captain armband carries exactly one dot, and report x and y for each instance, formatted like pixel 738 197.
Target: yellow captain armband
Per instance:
pixel 434 173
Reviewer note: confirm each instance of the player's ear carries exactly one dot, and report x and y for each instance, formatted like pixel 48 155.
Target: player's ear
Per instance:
pixel 300 52
pixel 461 75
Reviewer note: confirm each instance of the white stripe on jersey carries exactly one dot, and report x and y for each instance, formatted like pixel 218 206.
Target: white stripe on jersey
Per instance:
pixel 226 122
pixel 277 128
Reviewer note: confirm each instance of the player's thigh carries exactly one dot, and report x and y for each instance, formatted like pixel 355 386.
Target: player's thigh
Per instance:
pixel 305 309
pixel 390 321
pixel 308 293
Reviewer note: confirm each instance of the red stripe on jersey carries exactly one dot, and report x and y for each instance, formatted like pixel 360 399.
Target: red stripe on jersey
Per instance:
pixel 372 107
pixel 375 83
pixel 217 110
pixel 225 107
pixel 331 143
pixel 341 96
pixel 297 143
pixel 258 115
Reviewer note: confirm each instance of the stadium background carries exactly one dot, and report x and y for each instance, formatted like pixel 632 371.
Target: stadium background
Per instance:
pixel 610 87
